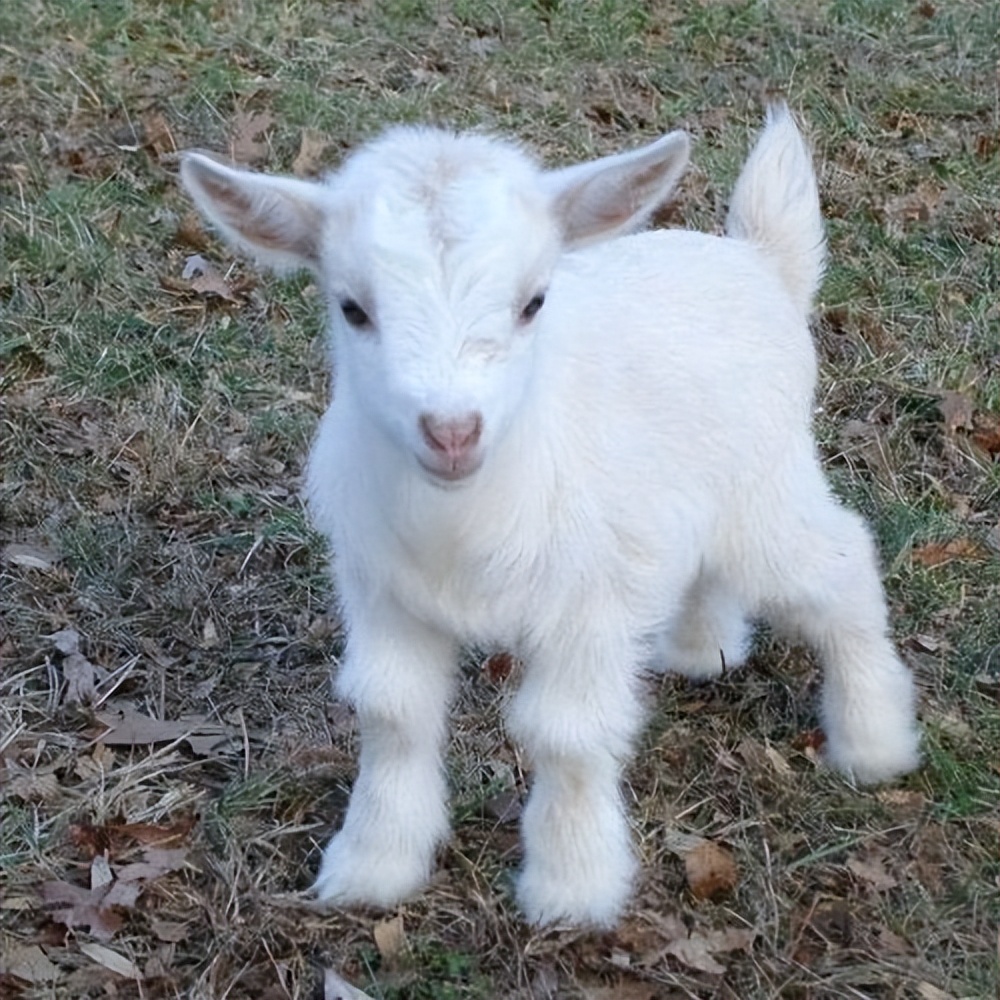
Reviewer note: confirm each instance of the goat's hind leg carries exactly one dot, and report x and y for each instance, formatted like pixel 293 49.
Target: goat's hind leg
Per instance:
pixel 710 634
pixel 398 673
pixel 826 589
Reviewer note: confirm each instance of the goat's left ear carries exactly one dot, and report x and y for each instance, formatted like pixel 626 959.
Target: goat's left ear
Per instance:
pixel 616 194
pixel 278 220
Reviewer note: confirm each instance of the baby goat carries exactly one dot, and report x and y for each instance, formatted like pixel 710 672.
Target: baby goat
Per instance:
pixel 590 448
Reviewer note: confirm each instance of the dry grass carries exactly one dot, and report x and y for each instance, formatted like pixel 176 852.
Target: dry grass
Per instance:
pixel 153 437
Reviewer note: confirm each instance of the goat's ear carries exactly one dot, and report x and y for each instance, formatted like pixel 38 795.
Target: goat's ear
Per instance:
pixel 614 195
pixel 278 220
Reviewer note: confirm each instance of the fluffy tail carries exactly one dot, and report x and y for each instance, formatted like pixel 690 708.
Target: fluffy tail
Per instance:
pixel 775 206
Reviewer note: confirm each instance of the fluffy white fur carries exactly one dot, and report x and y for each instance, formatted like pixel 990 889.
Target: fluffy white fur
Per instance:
pixel 641 482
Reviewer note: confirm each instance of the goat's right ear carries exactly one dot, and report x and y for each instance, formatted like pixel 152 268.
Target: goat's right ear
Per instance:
pixel 278 220
pixel 616 194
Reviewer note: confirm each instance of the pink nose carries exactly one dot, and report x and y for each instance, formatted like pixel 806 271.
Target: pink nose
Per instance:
pixel 453 438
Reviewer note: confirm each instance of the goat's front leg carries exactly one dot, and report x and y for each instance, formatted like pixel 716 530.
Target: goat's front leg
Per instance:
pixel 398 673
pixel 576 714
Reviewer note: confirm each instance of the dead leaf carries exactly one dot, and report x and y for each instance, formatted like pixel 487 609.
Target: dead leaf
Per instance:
pixel 918 205
pixel 118 964
pixel 191 233
pixel 390 939
pixel 154 834
pixel 77 907
pixel 938 553
pixel 890 943
pixel 710 870
pixel 129 727
pixel 624 989
pixel 27 962
pixel 158 137
pixel 957 411
pixel 100 872
pixel 30 556
pixel 246 145
pixel 871 870
pixel 698 950
pixel 156 861
pixel 168 931
pixel 904 803
pixel 986 432
pixel 928 991
pixel 204 279
pixel 505 806
pixel 312 146
pixel 34 785
pixel 335 988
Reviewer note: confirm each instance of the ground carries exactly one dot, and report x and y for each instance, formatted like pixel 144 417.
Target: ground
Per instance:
pixel 171 759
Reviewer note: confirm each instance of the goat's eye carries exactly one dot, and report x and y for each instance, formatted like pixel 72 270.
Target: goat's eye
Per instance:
pixel 355 315
pixel 529 311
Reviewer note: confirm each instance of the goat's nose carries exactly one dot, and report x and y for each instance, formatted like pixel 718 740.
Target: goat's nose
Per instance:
pixel 455 436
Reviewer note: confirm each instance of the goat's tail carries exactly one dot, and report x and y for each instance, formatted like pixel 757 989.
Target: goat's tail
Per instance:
pixel 775 206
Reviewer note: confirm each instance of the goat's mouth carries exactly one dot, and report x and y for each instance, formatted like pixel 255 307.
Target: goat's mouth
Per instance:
pixel 451 473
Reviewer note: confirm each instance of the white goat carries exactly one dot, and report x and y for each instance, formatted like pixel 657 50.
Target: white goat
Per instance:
pixel 595 452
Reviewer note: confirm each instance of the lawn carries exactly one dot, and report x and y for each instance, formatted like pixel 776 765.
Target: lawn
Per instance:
pixel 170 756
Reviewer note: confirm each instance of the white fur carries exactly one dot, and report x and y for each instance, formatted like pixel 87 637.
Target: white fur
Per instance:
pixel 644 483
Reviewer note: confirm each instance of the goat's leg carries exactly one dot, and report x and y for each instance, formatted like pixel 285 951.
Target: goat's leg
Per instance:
pixel 826 589
pixel 576 714
pixel 399 674
pixel 711 633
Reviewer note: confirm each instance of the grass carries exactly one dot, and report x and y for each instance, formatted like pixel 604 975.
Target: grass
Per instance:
pixel 153 441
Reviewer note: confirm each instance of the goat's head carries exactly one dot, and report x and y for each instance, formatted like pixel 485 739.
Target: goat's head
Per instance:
pixel 434 252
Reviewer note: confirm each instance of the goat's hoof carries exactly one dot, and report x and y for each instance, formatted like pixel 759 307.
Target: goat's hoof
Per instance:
pixel 577 901
pixel 875 761
pixel 349 875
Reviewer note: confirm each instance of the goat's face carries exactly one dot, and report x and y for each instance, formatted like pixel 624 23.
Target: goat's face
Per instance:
pixel 435 253
pixel 436 297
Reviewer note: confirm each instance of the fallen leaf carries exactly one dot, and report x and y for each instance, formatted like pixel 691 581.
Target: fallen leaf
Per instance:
pixel 33 786
pixel 29 556
pixel 129 727
pixel 928 991
pixel 312 146
pixel 986 432
pixel 957 411
pixel 918 205
pixel 118 964
pixel 154 834
pixel 246 145
pixel 710 870
pixel 625 989
pixel 698 950
pixel 168 931
pixel 938 553
pixel 890 943
pixel 872 871
pixel 390 939
pixel 203 278
pixel 505 806
pixel 100 872
pixel 158 137
pixel 77 907
pixel 191 233
pixel 335 988
pixel 156 861
pixel 27 962
pixel 680 843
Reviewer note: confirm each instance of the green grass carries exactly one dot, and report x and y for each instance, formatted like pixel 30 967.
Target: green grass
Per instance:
pixel 154 439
